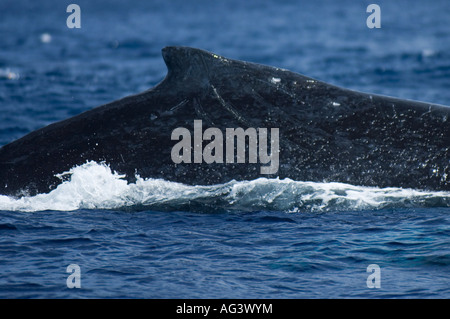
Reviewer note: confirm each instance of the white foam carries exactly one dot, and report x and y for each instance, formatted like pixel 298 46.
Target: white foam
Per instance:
pixel 9 74
pixel 45 38
pixel 95 186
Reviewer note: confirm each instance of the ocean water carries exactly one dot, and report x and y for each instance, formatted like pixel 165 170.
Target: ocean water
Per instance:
pixel 265 238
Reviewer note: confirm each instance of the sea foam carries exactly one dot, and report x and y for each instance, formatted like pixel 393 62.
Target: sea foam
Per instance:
pixel 95 186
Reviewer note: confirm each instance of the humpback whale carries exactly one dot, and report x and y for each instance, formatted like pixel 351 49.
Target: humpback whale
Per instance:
pixel 326 133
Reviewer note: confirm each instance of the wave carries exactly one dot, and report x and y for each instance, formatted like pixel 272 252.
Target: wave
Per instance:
pixel 95 186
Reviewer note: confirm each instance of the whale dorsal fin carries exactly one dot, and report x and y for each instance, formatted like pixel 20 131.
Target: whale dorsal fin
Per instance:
pixel 185 63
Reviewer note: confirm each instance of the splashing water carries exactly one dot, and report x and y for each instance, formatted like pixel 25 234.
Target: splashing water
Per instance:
pixel 95 186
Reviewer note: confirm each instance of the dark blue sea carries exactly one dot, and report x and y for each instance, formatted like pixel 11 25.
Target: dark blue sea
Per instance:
pixel 266 238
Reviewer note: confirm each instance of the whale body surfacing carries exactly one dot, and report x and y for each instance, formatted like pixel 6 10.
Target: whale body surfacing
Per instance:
pixel 326 133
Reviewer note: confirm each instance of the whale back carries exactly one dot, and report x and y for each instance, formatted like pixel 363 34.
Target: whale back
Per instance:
pixel 326 133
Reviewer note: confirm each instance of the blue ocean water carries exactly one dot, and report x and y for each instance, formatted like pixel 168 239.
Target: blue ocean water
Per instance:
pixel 255 239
